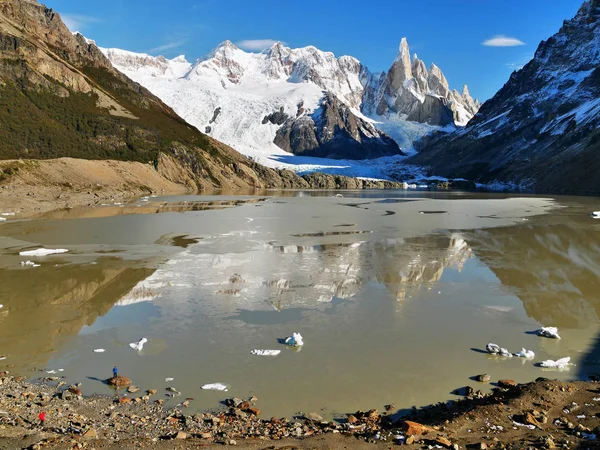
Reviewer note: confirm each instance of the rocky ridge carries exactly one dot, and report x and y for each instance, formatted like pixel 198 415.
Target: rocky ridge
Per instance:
pixel 61 97
pixel 412 92
pixel 247 87
pixel 541 130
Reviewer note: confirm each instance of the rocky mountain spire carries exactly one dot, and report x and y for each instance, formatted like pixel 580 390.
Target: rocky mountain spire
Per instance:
pixel 438 84
pixel 419 72
pixel 401 69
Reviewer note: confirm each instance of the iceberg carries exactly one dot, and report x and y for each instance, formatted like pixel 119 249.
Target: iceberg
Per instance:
pixel 528 354
pixel 562 363
pixel 549 332
pixel 295 340
pixel 138 345
pixel 215 387
pixel 265 352
pixel 43 252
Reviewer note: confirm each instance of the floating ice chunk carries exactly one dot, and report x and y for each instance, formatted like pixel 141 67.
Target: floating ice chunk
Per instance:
pixel 595 214
pixel 295 340
pixel 525 354
pixel 338 196
pixel 29 263
pixel 99 350
pixel 43 252
pixel 138 345
pixel 1 306
pixel 2 219
pixel 266 352
pixel 169 379
pixel 215 387
pixel 2 357
pixel 497 350
pixel 561 363
pixel 549 332
pixel 7 214
pixel 50 371
pixel 492 348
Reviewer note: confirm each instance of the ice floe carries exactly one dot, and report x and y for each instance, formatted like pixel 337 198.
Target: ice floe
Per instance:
pixel 99 350
pixel 595 214
pixel 562 363
pixel 29 263
pixel 138 345
pixel 497 350
pixel 169 379
pixel 528 354
pixel 549 332
pixel 265 352
pixel 215 387
pixel 295 340
pixel 43 252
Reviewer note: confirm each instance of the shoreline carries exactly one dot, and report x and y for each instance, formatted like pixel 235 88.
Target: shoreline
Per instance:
pixel 541 414
pixel 31 188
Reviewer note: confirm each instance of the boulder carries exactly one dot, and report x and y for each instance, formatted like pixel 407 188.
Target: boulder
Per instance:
pixel 314 417
pixel 415 429
pixel 507 383
pixel 119 381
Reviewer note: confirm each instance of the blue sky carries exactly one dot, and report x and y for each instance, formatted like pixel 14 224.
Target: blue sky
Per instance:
pixel 450 33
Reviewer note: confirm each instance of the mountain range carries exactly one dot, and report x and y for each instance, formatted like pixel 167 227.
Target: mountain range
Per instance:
pixel 62 96
pixel 541 131
pixel 303 101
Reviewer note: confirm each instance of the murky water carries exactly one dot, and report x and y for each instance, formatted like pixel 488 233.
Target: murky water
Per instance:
pixel 395 293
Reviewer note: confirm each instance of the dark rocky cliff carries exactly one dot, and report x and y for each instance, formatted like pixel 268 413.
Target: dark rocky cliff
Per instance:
pixel 541 130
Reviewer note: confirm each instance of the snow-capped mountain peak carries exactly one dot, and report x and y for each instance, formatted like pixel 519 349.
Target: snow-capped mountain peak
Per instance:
pixel 252 100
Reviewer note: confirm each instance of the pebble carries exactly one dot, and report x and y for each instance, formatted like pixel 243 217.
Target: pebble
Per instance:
pixel 483 378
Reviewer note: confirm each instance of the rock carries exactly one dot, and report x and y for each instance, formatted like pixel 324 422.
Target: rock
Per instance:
pixel 548 442
pixel 483 378
pixel 90 434
pixel 528 418
pixel 352 419
pixel 389 407
pixel 466 391
pixel 410 440
pixel 415 428
pixel 234 402
pixel 443 442
pixel 181 435
pixel 244 405
pixel 206 436
pixel 66 395
pixel 151 391
pixel 119 381
pixel 74 390
pixel 231 442
pixel 313 417
pixel 253 411
pixel 507 383
pixel 159 402
pixel 133 389
pixel 353 138
pixel 124 400
pixel 185 404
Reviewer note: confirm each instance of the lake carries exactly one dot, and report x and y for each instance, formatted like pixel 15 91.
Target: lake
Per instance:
pixel 396 294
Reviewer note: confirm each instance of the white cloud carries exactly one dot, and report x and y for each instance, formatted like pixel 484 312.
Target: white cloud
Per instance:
pixel 256 44
pixel 514 66
pixel 77 22
pixel 503 41
pixel 168 46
